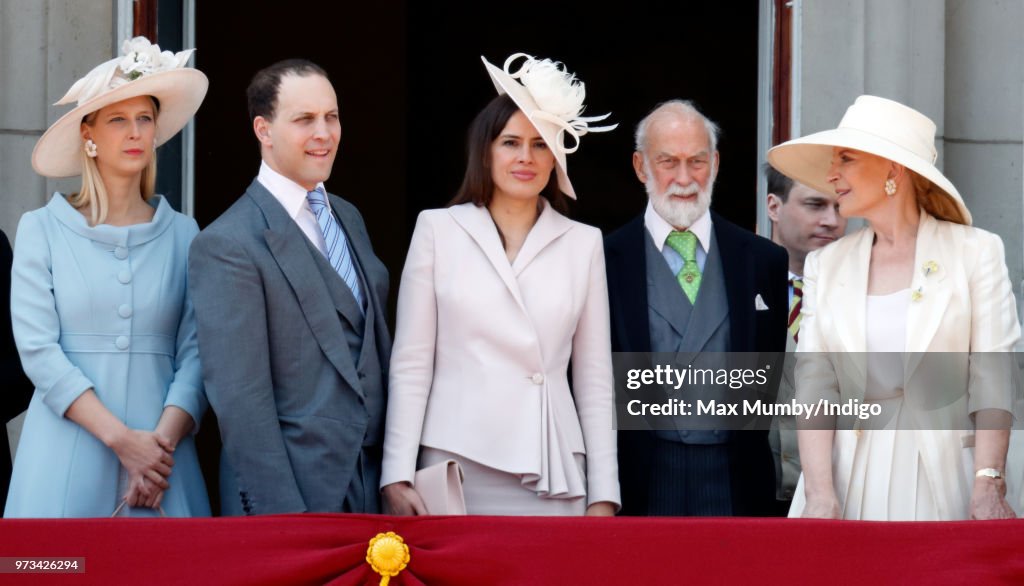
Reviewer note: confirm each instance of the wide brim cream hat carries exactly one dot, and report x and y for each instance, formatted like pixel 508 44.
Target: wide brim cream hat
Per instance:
pixel 143 70
pixel 552 99
pixel 873 125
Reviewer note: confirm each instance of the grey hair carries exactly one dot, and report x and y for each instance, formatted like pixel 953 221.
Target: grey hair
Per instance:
pixel 682 109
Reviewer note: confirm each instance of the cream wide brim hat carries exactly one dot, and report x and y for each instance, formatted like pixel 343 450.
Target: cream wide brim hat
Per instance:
pixel 179 91
pixel 873 125
pixel 552 123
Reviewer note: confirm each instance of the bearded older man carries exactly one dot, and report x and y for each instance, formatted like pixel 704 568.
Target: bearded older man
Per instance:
pixel 683 279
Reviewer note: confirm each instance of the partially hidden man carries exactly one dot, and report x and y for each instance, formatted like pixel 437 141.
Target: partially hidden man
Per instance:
pixel 803 220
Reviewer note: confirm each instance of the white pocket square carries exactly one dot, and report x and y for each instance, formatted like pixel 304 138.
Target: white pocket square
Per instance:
pixel 759 303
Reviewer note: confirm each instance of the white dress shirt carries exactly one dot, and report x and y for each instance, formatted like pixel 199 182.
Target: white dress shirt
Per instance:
pixel 659 229
pixel 292 198
pixel 792 276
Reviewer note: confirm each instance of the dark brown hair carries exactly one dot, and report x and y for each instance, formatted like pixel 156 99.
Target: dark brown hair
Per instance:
pixel 265 85
pixel 778 183
pixel 478 184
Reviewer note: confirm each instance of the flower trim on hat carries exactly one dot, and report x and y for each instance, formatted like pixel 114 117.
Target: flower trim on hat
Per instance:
pixel 141 58
pixel 559 97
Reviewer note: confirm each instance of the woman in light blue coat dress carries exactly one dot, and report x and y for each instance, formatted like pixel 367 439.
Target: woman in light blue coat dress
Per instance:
pixel 100 310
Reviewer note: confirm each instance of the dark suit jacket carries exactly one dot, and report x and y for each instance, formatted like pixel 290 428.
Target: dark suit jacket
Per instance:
pixel 293 409
pixel 752 266
pixel 15 388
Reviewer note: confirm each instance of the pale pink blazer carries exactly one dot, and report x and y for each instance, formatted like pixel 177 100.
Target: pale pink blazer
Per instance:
pixel 482 349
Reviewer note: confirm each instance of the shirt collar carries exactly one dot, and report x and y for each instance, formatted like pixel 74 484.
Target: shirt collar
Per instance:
pixel 291 195
pixel 659 229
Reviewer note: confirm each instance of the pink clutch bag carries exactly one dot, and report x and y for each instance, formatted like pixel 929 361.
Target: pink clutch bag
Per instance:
pixel 440 487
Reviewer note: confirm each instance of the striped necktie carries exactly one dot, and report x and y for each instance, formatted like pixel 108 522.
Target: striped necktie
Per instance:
pixel 337 244
pixel 795 306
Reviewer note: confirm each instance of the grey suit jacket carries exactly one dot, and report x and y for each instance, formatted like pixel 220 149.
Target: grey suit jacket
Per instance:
pixel 294 410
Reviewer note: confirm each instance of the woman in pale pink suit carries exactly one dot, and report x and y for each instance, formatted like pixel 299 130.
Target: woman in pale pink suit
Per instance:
pixel 499 291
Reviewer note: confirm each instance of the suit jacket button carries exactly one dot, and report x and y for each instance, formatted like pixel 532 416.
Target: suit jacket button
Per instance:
pixel 537 378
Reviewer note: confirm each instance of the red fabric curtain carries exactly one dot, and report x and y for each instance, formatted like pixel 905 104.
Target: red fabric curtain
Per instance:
pixel 331 549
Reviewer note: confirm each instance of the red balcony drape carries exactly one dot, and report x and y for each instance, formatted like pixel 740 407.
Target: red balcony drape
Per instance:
pixel 331 549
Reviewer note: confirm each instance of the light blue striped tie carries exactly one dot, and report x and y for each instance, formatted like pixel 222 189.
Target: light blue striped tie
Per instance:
pixel 336 242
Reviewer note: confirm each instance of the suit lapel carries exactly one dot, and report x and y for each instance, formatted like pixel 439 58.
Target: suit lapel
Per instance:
pixel 931 251
pixel 738 275
pixel 850 298
pixel 374 277
pixel 550 225
pixel 287 244
pixel 341 295
pixel 627 275
pixel 477 222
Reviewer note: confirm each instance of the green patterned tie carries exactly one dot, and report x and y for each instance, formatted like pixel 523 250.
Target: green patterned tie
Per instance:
pixel 685 243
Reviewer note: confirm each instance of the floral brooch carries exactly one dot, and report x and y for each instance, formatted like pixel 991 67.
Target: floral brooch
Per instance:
pixel 929 268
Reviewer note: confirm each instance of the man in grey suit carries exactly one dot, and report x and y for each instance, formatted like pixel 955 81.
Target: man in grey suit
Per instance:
pixel 289 300
pixel 803 220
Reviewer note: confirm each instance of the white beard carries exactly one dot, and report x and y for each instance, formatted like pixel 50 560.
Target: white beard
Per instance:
pixel 681 214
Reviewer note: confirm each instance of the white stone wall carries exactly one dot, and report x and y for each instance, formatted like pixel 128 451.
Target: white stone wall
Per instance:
pixel 961 62
pixel 984 113
pixel 45 45
pixel 889 48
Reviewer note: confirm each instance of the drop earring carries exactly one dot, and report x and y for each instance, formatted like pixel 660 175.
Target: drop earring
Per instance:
pixel 90 148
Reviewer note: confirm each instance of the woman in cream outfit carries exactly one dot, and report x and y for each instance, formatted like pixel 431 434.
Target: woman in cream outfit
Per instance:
pixel 499 291
pixel 918 279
